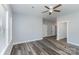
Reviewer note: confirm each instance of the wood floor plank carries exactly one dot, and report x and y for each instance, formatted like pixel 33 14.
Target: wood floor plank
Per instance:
pixel 48 50
pixel 32 50
pixel 60 46
pixel 47 46
pixel 43 52
pixel 67 49
pixel 53 48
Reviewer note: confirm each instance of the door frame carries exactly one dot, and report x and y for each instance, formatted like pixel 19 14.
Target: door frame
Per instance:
pixel 58 22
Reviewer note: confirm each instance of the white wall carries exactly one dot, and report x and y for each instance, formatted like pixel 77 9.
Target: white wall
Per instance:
pixel 73 26
pixel 26 28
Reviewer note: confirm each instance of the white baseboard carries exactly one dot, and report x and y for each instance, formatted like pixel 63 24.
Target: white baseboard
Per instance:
pixel 73 43
pixel 14 43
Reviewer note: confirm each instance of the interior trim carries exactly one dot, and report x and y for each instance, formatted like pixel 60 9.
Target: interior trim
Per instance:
pixel 73 43
pixel 27 41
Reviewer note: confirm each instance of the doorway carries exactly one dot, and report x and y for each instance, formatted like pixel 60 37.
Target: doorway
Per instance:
pixel 62 31
pixel 49 29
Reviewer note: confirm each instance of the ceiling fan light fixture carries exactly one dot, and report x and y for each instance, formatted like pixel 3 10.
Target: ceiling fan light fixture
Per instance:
pixel 52 9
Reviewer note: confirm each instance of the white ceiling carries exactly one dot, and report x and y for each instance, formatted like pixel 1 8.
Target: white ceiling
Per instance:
pixel 27 8
pixel 38 8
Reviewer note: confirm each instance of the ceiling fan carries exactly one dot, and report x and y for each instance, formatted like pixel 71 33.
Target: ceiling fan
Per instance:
pixel 52 9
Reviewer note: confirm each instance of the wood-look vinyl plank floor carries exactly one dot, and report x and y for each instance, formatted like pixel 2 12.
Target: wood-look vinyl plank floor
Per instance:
pixel 46 46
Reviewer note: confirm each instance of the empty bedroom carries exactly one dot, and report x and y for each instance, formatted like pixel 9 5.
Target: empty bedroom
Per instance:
pixel 39 29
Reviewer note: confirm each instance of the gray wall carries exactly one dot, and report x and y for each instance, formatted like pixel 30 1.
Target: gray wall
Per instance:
pixel 26 28
pixel 73 26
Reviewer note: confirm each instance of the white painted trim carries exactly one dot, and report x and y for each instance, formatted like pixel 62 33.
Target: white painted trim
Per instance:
pixel 14 43
pixel 73 43
pixel 57 31
pixel 7 28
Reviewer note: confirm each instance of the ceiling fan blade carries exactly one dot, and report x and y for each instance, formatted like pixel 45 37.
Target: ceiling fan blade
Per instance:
pixel 50 13
pixel 57 10
pixel 47 7
pixel 57 6
pixel 45 11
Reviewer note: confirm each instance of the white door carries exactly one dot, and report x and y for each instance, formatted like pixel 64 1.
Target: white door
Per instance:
pixel 53 30
pixel 62 30
pixel 44 30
